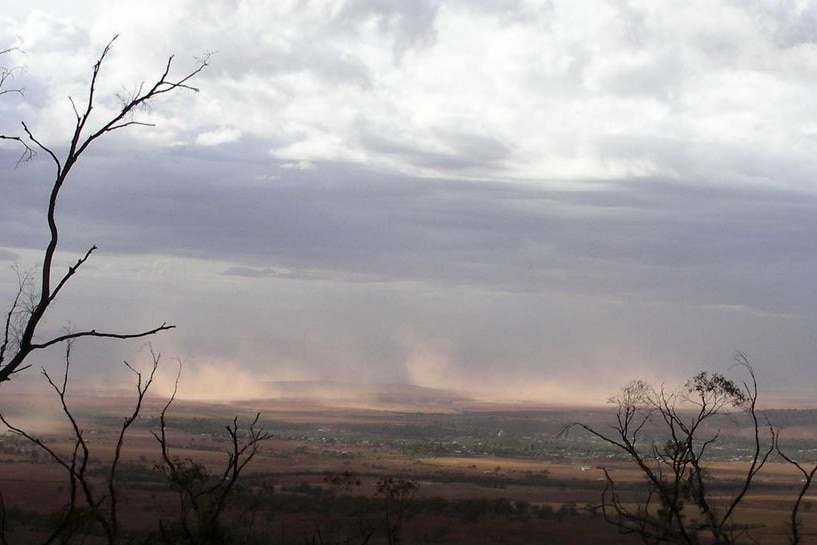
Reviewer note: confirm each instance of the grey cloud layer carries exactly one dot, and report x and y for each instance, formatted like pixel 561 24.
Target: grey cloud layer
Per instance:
pixel 656 238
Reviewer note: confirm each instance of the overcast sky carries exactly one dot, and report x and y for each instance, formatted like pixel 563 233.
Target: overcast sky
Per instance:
pixel 531 199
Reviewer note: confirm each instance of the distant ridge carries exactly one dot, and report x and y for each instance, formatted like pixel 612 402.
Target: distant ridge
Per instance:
pixel 365 395
pixel 327 394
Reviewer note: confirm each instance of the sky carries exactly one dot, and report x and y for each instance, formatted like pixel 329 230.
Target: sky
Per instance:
pixel 518 199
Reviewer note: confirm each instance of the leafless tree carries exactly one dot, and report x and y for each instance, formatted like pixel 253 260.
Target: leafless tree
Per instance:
pixel 90 508
pixel 204 496
pixel 27 311
pixel 86 505
pixel 673 463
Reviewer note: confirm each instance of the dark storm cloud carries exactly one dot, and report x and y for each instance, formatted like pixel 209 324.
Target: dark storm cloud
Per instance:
pixel 658 238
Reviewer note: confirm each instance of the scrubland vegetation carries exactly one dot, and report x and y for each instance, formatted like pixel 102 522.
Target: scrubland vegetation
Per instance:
pixel 346 476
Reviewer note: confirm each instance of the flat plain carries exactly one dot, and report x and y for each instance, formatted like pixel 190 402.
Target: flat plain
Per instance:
pixel 484 473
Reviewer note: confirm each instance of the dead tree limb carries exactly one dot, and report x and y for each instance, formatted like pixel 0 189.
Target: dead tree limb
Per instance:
pixel 203 496
pixel 85 505
pixel 6 76
pixel 82 137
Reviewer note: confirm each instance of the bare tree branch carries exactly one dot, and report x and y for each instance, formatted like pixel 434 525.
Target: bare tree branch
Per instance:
pixel 81 139
pixel 28 152
pixel 806 482
pixel 142 387
pixel 84 501
pixel 101 334
pixel 203 497
pixel 6 76
pixel 759 457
